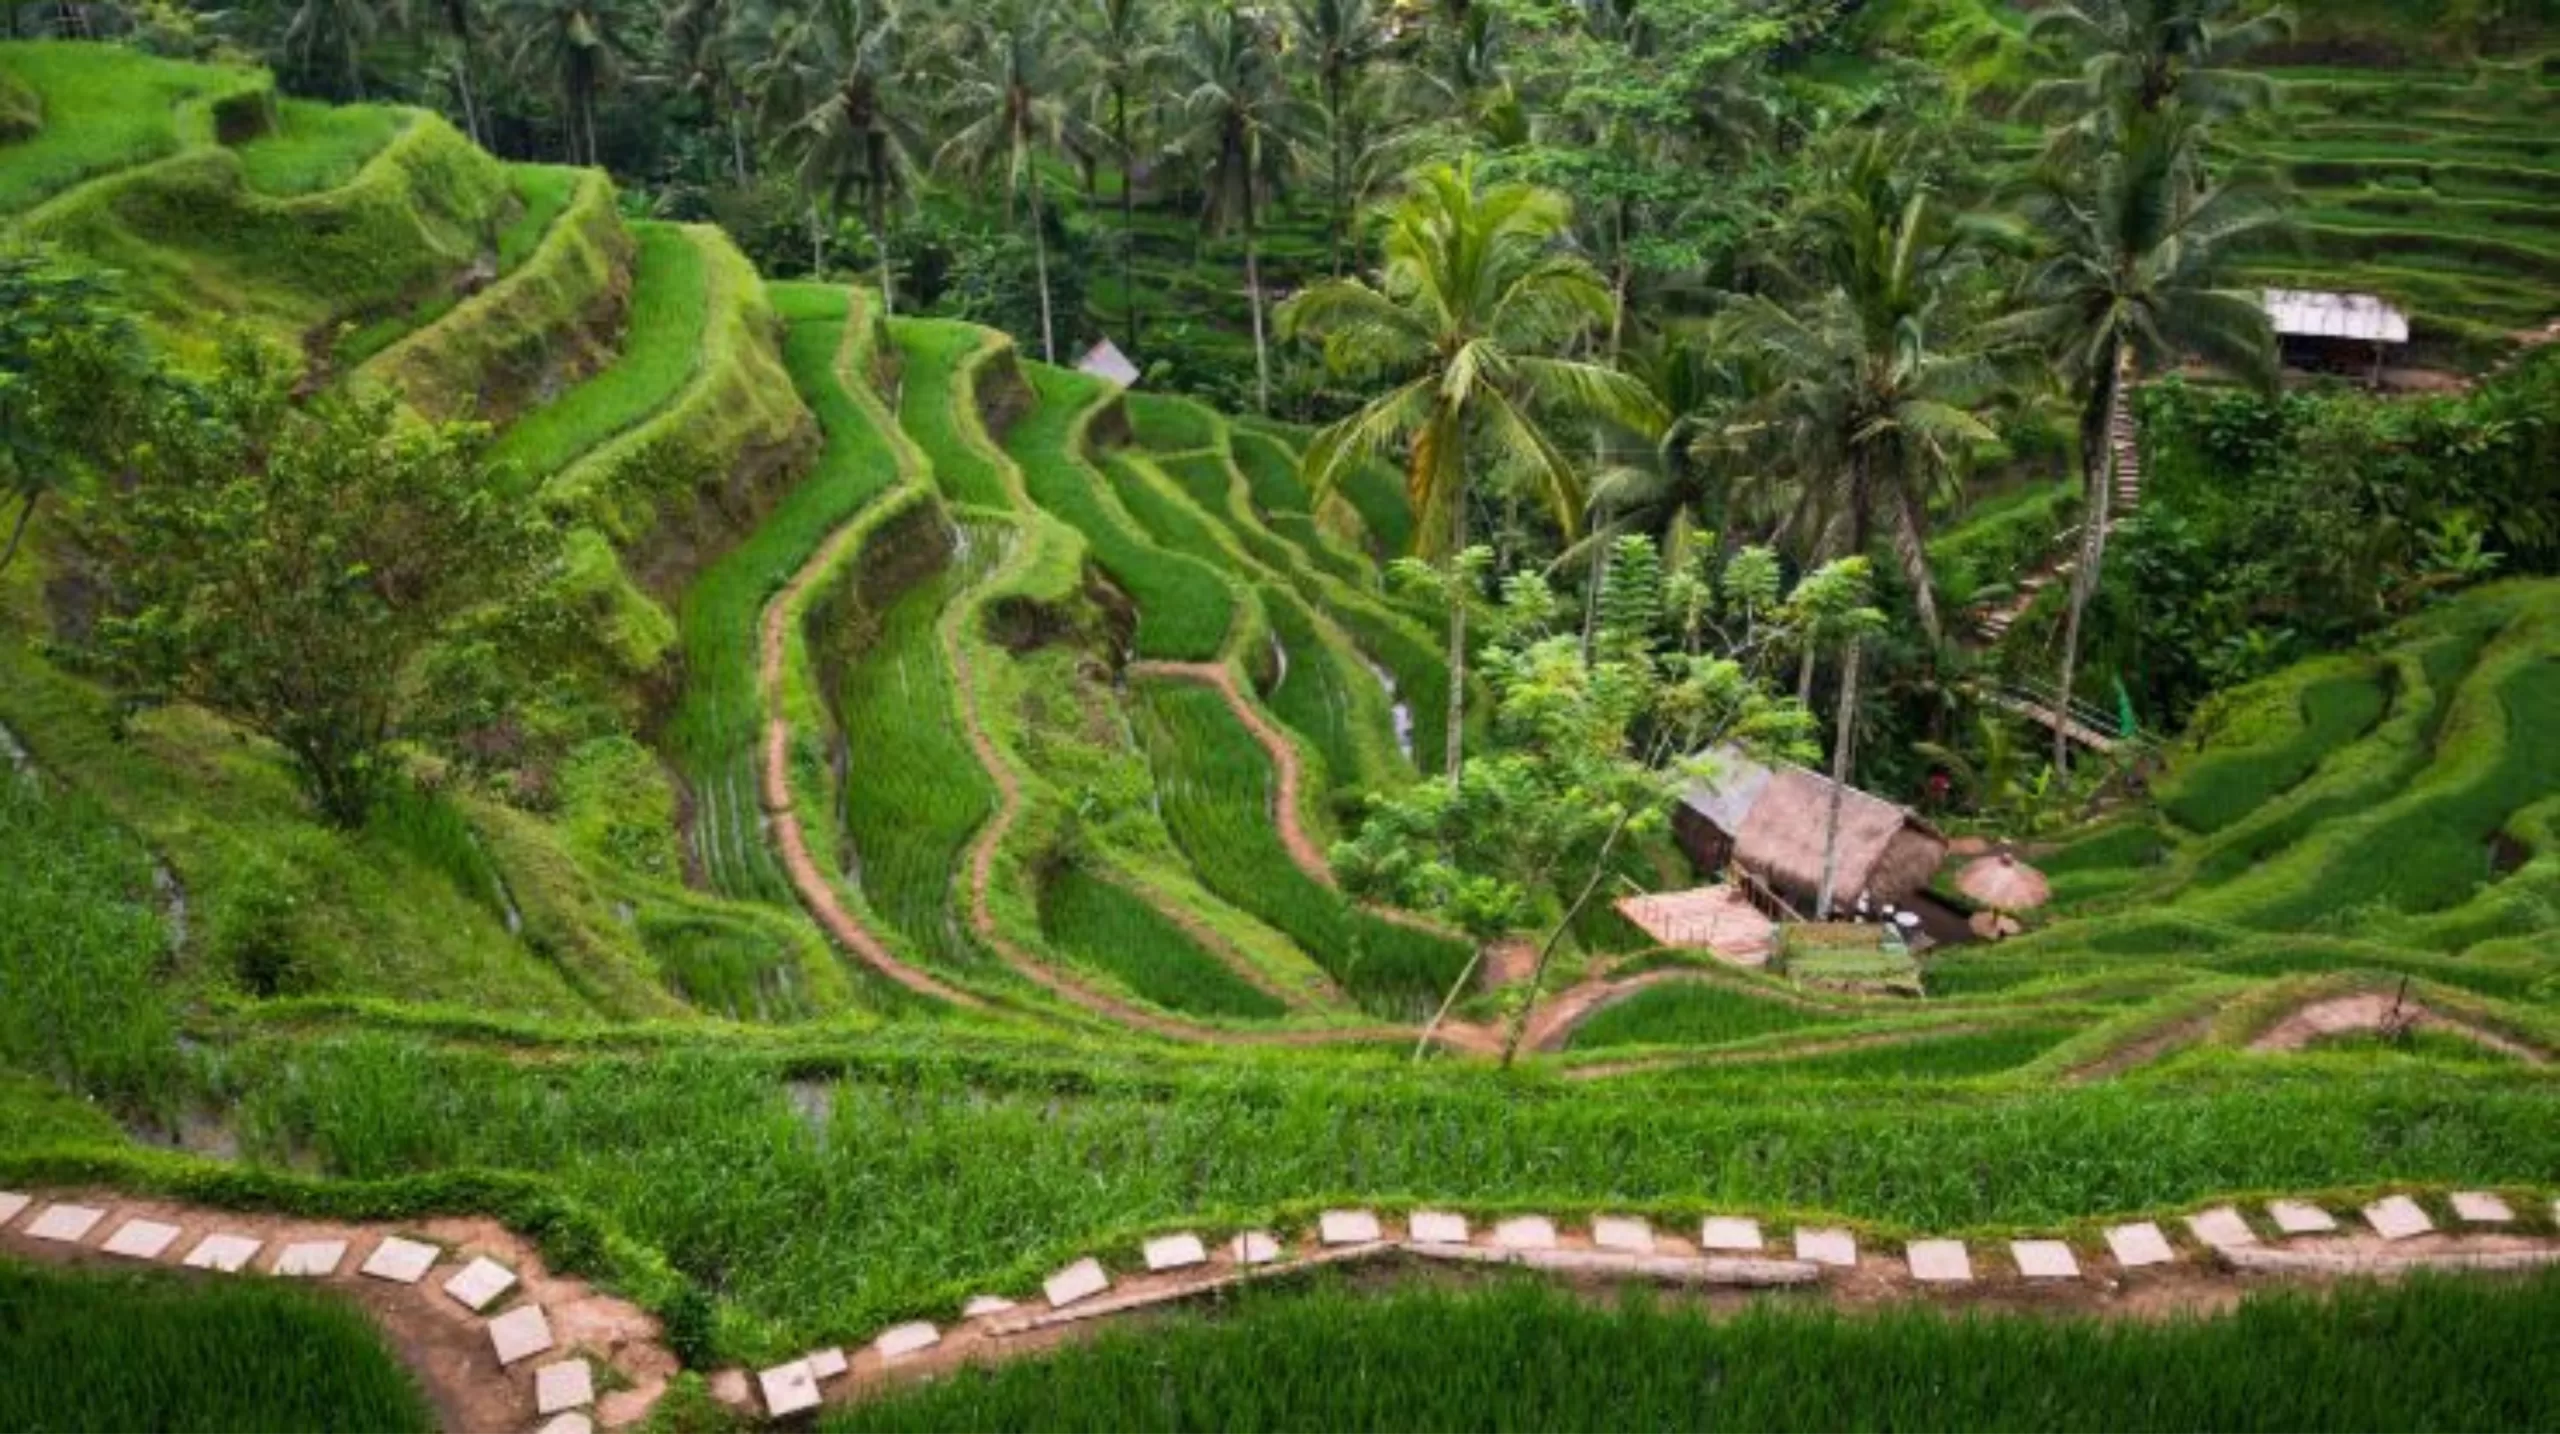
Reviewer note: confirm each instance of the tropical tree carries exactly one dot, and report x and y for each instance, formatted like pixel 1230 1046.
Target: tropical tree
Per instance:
pixel 454 19
pixel 579 46
pixel 1475 311
pixel 2146 55
pixel 1121 52
pixel 1012 99
pixel 2129 249
pixel 1830 608
pixel 1241 124
pixel 73 376
pixel 338 30
pixel 705 41
pixel 1341 40
pixel 836 71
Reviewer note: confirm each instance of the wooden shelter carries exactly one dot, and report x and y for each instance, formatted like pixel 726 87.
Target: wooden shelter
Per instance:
pixel 1770 823
pixel 2335 333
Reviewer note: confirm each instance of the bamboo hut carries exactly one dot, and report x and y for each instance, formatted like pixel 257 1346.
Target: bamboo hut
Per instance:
pixel 1770 822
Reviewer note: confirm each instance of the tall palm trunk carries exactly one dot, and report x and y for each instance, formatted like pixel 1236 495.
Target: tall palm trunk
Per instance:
pixel 462 88
pixel 1128 215
pixel 1040 268
pixel 1253 291
pixel 1456 731
pixel 1339 220
pixel 2097 480
pixel 1843 742
pixel 879 196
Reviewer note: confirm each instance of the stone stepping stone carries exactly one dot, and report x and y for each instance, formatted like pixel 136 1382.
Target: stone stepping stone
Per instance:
pixel 12 1204
pixel 66 1224
pixel 573 1422
pixel 2301 1217
pixel 2221 1227
pixel 2135 1246
pixel 1622 1233
pixel 402 1262
pixel 1254 1247
pixel 1939 1262
pixel 141 1239
pixel 1525 1232
pixel 980 1306
pixel 1175 1252
pixel 2397 1217
pixel 520 1333
pixel 480 1283
pixel 1837 1248
pixel 1730 1233
pixel 902 1340
pixel 1075 1282
pixel 1347 1227
pixel 558 1388
pixel 311 1259
pixel 229 1254
pixel 789 1389
pixel 1436 1227
pixel 2480 1207
pixel 825 1364
pixel 2044 1259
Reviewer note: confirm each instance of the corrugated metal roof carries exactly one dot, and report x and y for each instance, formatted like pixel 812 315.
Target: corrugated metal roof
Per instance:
pixel 1105 361
pixel 1727 797
pixel 2304 313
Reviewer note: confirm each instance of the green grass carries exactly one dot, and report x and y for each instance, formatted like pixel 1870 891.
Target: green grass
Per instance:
pixel 670 310
pixel 542 191
pixel 155 1350
pixel 1691 1013
pixel 1107 927
pixel 316 146
pixel 1314 695
pixel 2300 725
pixel 1215 782
pixel 79 995
pixel 1184 607
pixel 106 108
pixel 1513 1353
pixel 930 408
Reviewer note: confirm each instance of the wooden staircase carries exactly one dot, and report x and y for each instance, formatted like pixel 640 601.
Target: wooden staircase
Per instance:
pixel 2124 460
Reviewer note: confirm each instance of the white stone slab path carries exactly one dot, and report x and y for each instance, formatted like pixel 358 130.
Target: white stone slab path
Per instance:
pixel 1078 1281
pixel 573 1422
pixel 1939 1262
pixel 2397 1217
pixel 980 1306
pixel 902 1340
pixel 229 1254
pixel 1254 1247
pixel 1623 1233
pixel 557 1388
pixel 520 1333
pixel 1729 1234
pixel 789 1389
pixel 1175 1252
pixel 66 1224
pixel 402 1262
pixel 1436 1227
pixel 2138 1245
pixel 1836 1248
pixel 311 1259
pixel 826 1364
pixel 11 1204
pixel 2044 1259
pixel 1348 1227
pixel 2221 1227
pixel 2300 1217
pixel 2482 1207
pixel 479 1284
pixel 141 1239
pixel 1525 1232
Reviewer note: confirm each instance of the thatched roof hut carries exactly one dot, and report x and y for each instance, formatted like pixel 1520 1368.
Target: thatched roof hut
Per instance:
pixel 1770 821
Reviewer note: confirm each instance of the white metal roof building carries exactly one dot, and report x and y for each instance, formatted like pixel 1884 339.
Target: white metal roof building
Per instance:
pixel 1105 361
pixel 2308 314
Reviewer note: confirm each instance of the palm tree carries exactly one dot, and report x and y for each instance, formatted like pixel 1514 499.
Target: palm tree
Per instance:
pixel 456 22
pixel 705 40
pixel 1121 52
pixel 342 28
pixel 2130 248
pixel 835 73
pixel 2146 55
pixel 1829 608
pixel 1866 410
pixel 1015 79
pixel 579 44
pixel 1474 310
pixel 1241 124
pixel 1341 40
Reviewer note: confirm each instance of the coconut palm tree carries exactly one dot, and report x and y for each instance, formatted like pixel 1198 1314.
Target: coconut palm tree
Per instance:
pixel 455 19
pixel 1341 40
pixel 1242 127
pixel 2130 246
pixel 1121 53
pixel 579 44
pixel 339 29
pixel 708 45
pixel 834 76
pixel 1474 312
pixel 2143 56
pixel 1012 98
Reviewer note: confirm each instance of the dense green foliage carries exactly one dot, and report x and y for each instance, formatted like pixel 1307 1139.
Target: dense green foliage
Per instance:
pixel 2434 1353
pixel 99 1350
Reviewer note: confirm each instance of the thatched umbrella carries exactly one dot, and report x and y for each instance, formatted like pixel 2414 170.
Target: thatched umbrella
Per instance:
pixel 2003 883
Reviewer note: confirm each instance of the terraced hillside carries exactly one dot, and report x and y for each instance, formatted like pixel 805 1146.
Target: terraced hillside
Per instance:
pixel 914 880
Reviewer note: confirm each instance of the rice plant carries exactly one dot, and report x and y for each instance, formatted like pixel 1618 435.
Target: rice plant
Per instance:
pixel 1691 1013
pixel 316 146
pixel 930 394
pixel 1106 926
pixel 661 344
pixel 79 995
pixel 542 192
pixel 106 108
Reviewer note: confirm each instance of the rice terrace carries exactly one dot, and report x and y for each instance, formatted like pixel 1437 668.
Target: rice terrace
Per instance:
pixel 1302 715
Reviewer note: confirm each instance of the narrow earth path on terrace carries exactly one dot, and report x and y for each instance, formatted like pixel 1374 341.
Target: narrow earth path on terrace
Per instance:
pixel 2374 1011
pixel 494 1339
pixel 782 817
pixel 1800 1050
